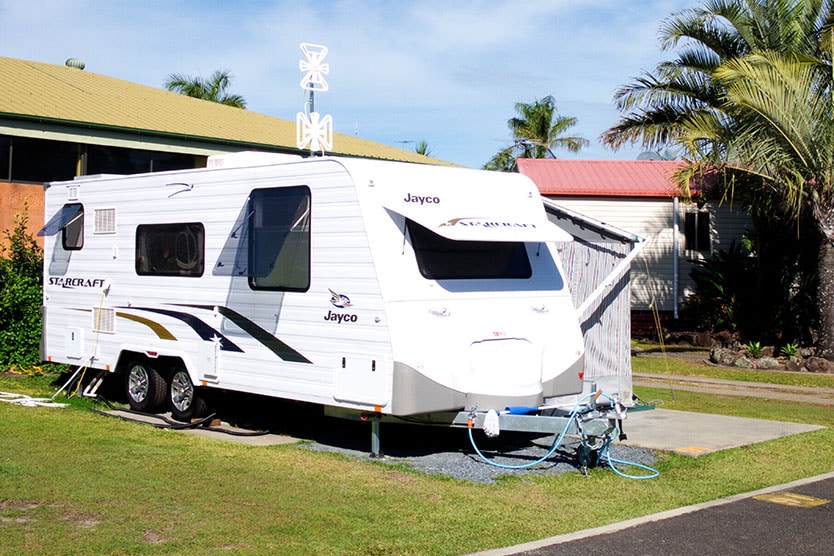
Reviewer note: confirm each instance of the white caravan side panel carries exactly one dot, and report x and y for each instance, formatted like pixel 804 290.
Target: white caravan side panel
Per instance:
pixel 328 344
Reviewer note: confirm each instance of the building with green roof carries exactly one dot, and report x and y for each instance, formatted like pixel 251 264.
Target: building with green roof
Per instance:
pixel 60 121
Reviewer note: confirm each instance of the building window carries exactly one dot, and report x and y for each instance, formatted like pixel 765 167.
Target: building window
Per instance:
pixel 696 231
pixel 279 239
pixel 24 159
pixel 5 158
pixel 116 160
pixel 41 160
pixel 170 249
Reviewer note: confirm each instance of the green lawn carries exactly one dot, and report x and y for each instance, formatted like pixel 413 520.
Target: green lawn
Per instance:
pixel 75 482
pixel 658 364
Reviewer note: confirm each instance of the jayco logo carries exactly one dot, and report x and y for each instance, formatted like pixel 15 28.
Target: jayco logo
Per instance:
pixel 340 318
pixel 340 301
pixel 409 198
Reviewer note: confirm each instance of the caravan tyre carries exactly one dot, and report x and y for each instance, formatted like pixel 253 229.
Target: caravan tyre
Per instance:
pixel 184 401
pixel 144 386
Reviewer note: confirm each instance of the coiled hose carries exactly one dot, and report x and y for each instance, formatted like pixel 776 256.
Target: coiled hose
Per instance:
pixel 605 450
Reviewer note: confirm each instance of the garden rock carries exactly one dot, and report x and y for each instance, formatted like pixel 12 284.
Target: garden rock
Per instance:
pixel 722 356
pixel 794 364
pixel 819 365
pixel 767 363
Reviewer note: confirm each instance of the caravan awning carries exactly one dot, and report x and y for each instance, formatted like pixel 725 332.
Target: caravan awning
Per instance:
pixel 483 215
pixel 58 222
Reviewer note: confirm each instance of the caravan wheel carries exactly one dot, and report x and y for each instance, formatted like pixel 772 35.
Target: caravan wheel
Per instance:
pixel 145 387
pixel 183 399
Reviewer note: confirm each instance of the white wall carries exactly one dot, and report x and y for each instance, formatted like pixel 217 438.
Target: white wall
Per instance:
pixel 652 271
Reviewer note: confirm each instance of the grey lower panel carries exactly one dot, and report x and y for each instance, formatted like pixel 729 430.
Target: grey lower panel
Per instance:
pixel 413 393
pixel 567 383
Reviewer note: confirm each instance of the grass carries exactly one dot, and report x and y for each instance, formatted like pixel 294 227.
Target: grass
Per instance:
pixel 74 482
pixel 690 367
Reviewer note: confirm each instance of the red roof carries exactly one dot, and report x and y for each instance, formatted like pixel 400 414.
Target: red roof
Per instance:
pixel 609 178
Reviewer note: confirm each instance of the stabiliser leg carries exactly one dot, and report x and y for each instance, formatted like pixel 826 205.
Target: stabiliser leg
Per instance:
pixel 376 452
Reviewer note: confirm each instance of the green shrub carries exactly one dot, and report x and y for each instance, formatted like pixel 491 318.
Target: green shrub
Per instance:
pixel 755 349
pixel 790 350
pixel 720 301
pixel 21 287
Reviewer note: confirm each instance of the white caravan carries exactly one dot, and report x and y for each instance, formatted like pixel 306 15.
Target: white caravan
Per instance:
pixel 387 288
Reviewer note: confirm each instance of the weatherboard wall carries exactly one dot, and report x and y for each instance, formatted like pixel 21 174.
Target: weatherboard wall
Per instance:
pixel 653 270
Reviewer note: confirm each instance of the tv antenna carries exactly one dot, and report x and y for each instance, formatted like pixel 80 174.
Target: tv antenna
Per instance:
pixel 313 130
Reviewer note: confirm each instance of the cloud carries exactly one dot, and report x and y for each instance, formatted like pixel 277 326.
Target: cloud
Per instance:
pixel 446 72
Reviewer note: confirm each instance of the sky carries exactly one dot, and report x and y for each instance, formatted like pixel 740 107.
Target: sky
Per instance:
pixel 447 72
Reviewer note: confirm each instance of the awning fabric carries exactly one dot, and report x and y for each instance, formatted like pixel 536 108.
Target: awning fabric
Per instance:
pixel 61 218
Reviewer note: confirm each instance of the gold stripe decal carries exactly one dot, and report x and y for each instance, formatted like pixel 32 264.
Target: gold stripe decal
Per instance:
pixel 157 328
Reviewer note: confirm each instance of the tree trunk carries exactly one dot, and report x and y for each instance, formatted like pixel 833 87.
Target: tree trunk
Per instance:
pixel 825 289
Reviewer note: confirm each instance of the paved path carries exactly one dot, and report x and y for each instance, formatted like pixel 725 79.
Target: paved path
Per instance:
pixel 706 385
pixel 795 518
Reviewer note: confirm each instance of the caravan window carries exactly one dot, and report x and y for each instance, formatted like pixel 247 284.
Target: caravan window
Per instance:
pixel 279 238
pixel 444 259
pixel 170 249
pixel 70 222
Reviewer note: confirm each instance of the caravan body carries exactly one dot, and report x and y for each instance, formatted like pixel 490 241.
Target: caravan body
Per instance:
pixel 395 288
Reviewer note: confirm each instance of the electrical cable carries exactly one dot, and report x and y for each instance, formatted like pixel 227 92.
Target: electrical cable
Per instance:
pixel 172 425
pixel 83 369
pixel 28 401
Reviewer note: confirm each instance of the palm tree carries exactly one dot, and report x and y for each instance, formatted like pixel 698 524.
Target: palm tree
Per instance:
pixel 214 88
pixel 781 105
pixel 422 147
pixel 747 94
pixel 536 131
pixel 658 107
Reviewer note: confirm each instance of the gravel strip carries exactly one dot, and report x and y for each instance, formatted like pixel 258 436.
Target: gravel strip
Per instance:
pixel 463 463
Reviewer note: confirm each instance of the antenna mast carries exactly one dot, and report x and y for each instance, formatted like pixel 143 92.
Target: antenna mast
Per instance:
pixel 312 130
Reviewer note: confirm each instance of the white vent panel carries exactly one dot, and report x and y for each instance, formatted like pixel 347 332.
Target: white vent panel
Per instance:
pixel 104 320
pixel 105 221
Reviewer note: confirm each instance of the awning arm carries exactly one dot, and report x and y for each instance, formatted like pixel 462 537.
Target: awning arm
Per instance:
pixel 65 216
pixel 612 277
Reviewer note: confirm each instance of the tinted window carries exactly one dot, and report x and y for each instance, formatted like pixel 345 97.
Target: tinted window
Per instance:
pixel 72 233
pixel 444 259
pixel 279 238
pixel 170 249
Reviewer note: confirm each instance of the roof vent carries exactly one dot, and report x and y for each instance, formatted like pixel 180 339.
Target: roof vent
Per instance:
pixel 77 63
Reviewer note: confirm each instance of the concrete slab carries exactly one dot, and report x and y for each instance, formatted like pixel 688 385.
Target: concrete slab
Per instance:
pixel 695 434
pixel 218 430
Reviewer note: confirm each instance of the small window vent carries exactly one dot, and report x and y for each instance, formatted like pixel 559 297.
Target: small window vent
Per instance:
pixel 72 193
pixel 104 320
pixel 105 221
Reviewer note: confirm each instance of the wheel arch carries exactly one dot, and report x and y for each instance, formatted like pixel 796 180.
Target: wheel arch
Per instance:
pixel 164 362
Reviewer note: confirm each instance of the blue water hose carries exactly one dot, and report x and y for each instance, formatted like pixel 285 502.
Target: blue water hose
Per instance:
pixel 556 442
pixel 605 451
